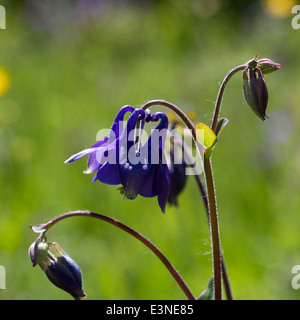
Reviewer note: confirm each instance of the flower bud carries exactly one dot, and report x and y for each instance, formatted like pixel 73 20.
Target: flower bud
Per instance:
pixel 60 268
pixel 66 276
pixel 255 91
pixel 267 66
pixel 64 272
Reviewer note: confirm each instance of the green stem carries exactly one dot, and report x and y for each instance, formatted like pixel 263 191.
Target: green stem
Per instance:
pixel 204 197
pixel 220 94
pixel 45 227
pixel 214 227
pixel 218 264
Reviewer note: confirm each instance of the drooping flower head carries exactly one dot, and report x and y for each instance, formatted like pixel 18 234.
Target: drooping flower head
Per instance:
pixel 121 157
pixel 255 91
pixel 60 268
pixel 254 86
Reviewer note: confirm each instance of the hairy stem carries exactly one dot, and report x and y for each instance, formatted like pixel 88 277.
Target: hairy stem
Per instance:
pixel 133 233
pixel 175 109
pixel 210 203
pixel 219 265
pixel 214 227
pixel 220 94
pixel 204 197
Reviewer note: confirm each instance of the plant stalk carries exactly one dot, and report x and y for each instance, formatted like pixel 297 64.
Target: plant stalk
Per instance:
pixel 214 227
pixel 133 233
pixel 221 93
pixel 210 203
pixel 176 110
pixel 204 197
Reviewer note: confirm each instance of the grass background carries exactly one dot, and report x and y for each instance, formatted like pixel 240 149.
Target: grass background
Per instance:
pixel 72 65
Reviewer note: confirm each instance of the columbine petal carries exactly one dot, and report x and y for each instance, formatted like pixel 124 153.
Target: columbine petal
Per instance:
pixel 157 183
pixel 98 149
pixel 132 163
pixel 108 173
pixel 80 155
pixel 93 164
pixel 117 126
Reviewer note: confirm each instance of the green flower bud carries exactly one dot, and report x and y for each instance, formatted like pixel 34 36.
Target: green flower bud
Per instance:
pixel 255 91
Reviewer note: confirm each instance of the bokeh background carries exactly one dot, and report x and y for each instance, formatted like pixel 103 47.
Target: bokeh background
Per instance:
pixel 66 67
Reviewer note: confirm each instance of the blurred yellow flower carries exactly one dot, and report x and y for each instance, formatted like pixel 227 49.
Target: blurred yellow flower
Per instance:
pixel 4 81
pixel 279 9
pixel 192 115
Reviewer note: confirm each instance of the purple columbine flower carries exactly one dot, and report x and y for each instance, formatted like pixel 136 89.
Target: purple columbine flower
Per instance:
pixel 121 158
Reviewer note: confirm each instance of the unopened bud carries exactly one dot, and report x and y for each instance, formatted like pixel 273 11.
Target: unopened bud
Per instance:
pixel 60 268
pixel 255 91
pixel 64 278
pixel 65 273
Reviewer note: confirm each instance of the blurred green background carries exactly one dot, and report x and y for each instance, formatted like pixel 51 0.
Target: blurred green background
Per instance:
pixel 68 66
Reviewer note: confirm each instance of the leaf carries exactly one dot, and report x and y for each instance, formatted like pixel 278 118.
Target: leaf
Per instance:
pixel 205 135
pixel 208 293
pixel 221 125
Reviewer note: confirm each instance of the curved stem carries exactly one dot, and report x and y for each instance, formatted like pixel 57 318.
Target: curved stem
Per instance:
pixel 218 266
pixel 221 92
pixel 130 231
pixel 175 109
